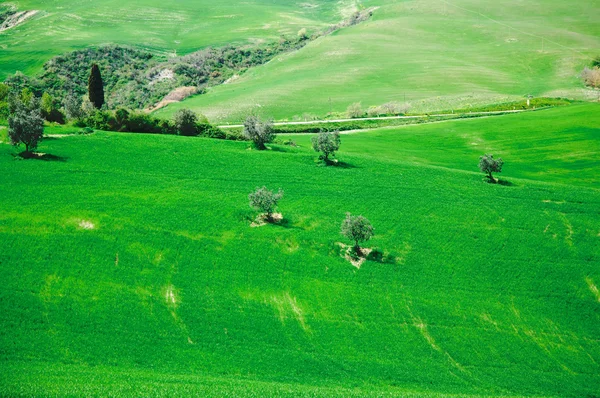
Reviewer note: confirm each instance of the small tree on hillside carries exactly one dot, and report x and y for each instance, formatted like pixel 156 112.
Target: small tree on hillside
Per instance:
pixel 489 165
pixel 358 229
pixel 72 107
pixel 355 110
pixel 185 122
pixel 25 122
pixel 265 200
pixel 327 143
pixel 259 132
pixel 96 87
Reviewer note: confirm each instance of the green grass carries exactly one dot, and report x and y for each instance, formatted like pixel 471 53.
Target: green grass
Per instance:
pixel 164 27
pixel 432 54
pixel 173 293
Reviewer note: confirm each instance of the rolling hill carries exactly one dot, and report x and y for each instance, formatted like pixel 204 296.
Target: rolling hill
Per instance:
pixel 432 54
pixel 129 265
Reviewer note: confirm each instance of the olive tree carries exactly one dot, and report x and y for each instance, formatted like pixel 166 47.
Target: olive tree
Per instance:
pixel 185 122
pixel 358 229
pixel 25 122
pixel 489 165
pixel 327 143
pixel 258 131
pixel 265 200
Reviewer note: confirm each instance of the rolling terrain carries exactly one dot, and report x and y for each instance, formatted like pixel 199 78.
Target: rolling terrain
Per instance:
pixel 129 265
pixel 432 54
pixel 163 27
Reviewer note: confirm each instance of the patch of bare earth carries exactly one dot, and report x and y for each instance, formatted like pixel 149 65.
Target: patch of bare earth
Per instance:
pixel 17 19
pixel 262 220
pixel 86 224
pixel 177 95
pixel 355 259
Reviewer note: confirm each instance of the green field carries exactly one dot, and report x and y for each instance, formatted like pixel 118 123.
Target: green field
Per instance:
pixel 129 266
pixel 161 26
pixel 432 54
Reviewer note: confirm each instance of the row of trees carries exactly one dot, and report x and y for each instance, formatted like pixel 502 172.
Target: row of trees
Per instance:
pixel 261 133
pixel 358 229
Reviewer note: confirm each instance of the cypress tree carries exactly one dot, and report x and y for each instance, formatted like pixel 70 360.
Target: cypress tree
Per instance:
pixel 96 87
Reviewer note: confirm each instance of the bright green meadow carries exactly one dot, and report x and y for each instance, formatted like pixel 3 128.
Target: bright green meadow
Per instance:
pixel 432 54
pixel 162 26
pixel 130 268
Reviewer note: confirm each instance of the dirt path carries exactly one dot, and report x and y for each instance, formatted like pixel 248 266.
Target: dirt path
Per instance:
pixel 457 115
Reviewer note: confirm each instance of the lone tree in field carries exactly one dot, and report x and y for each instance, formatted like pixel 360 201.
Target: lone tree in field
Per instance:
pixel 25 122
pixel 185 122
pixel 259 132
pixel 489 165
pixel 265 200
pixel 327 143
pixel 96 87
pixel 358 229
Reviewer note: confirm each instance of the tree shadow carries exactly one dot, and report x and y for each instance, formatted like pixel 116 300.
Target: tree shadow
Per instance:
pixel 505 183
pixel 287 223
pixel 378 256
pixel 47 157
pixel 336 164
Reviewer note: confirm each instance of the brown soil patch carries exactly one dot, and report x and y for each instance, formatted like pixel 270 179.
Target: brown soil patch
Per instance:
pixel 351 257
pixel 17 19
pixel 177 95
pixel 261 220
pixel 86 224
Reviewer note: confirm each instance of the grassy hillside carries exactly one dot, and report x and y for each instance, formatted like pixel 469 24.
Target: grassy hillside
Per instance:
pixel 433 54
pixel 129 265
pixel 165 27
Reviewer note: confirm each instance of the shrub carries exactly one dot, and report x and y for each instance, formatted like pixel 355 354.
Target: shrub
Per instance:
pixel 72 106
pixel 259 132
pixel 327 143
pixel 489 165
pixel 25 122
pixel 355 110
pixel 591 77
pixel 265 200
pixel 358 229
pixel 121 119
pixel 185 122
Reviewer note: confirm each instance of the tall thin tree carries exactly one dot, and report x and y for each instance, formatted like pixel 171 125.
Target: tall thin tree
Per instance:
pixel 96 87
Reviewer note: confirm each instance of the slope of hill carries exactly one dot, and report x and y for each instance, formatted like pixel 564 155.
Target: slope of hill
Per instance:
pixel 432 54
pixel 164 27
pixel 129 265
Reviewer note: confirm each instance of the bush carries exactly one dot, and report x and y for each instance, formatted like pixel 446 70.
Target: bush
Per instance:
pixel 25 122
pixel 72 106
pixel 591 77
pixel 355 110
pixel 265 200
pixel 489 165
pixel 186 122
pixel 327 143
pixel 259 132
pixel 358 229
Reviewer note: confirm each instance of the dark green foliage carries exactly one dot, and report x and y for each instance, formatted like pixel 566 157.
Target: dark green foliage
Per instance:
pixel 258 131
pixel 358 229
pixel 136 78
pixel 50 108
pixel 96 87
pixel 326 143
pixel 25 122
pixel 72 106
pixel 596 62
pixel 186 122
pixel 489 165
pixel 4 90
pixel 265 200
pixel 121 119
